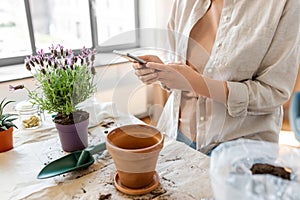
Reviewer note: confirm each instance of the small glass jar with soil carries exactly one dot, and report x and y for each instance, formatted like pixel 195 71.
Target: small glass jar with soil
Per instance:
pixel 30 115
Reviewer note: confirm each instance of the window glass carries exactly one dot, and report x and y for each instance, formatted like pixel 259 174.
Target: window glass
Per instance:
pixel 115 22
pixel 14 35
pixel 65 22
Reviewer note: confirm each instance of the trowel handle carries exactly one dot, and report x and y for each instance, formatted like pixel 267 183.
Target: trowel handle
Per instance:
pixel 96 148
pixel 90 151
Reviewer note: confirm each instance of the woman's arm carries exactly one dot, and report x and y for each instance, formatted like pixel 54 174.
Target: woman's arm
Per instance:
pixel 184 78
pixel 273 83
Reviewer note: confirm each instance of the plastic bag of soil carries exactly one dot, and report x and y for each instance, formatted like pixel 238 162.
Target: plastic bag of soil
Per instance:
pixel 234 174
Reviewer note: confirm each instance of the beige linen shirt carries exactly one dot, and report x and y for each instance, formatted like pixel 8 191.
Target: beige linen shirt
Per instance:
pixel 256 52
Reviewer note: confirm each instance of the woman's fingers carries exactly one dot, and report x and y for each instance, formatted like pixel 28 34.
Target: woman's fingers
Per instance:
pixel 149 78
pixel 144 71
pixel 137 66
pixel 147 58
pixel 151 58
pixel 173 76
pixel 157 66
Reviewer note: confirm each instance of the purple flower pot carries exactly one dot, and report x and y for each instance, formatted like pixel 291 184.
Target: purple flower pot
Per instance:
pixel 73 137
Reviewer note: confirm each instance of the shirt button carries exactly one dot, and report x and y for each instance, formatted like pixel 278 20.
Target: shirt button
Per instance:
pixel 226 18
pixel 219 44
pixel 202 118
pixel 215 62
pixel 209 70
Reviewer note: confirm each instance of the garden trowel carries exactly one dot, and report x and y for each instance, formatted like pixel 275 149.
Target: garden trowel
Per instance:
pixel 73 161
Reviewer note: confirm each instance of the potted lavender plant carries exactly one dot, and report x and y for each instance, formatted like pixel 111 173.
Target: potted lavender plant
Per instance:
pixel 63 81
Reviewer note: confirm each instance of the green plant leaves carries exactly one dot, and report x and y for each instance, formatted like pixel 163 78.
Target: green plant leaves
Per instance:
pixel 5 119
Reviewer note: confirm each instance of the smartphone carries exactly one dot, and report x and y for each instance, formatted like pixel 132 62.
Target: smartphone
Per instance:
pixel 130 57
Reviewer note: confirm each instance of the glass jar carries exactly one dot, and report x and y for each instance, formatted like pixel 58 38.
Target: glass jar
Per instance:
pixel 29 114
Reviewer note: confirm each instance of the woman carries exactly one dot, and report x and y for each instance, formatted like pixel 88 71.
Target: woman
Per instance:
pixel 234 65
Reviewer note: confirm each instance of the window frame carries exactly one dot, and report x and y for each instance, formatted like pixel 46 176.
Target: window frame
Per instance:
pixel 94 35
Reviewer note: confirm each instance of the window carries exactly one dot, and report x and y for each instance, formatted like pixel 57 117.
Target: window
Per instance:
pixel 29 25
pixel 14 34
pixel 112 24
pixel 67 23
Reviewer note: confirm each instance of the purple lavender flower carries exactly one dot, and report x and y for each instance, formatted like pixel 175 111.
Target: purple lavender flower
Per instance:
pixel 93 53
pixel 71 53
pixel 61 50
pixel 55 64
pixel 30 61
pixel 43 71
pixel 93 70
pixel 81 59
pixel 42 62
pixel 17 87
pixel 11 88
pixel 84 51
pixel 60 64
pixel 34 59
pixel 27 59
pixel 70 61
pixel 52 48
pixel 55 53
pixel 41 53
pixel 49 61
pixel 28 67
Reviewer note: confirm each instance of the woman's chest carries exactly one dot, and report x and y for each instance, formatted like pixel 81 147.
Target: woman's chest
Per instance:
pixel 202 36
pixel 236 41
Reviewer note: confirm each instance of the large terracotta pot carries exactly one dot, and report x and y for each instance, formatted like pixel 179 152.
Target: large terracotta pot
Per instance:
pixel 135 150
pixel 73 137
pixel 6 140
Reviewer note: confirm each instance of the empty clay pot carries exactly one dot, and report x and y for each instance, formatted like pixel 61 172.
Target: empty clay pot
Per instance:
pixel 135 149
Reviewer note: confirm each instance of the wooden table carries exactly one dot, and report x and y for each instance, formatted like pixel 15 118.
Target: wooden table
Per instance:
pixel 183 172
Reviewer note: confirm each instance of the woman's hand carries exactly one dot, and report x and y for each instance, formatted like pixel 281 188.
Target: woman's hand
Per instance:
pixel 185 78
pixel 181 77
pixel 174 76
pixel 147 75
pixel 171 76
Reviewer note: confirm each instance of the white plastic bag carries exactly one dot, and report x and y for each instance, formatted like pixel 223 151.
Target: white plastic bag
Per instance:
pixel 98 111
pixel 232 178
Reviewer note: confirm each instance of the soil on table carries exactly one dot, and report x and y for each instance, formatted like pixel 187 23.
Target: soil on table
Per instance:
pixel 75 117
pixel 260 168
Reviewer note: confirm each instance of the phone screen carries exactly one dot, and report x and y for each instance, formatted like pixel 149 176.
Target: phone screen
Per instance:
pixel 130 57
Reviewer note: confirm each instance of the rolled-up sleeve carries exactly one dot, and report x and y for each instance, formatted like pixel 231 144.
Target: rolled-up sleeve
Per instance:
pixel 238 99
pixel 272 84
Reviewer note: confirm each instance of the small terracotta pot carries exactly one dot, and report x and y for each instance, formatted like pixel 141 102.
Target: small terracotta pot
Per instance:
pixel 73 137
pixel 135 149
pixel 6 140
